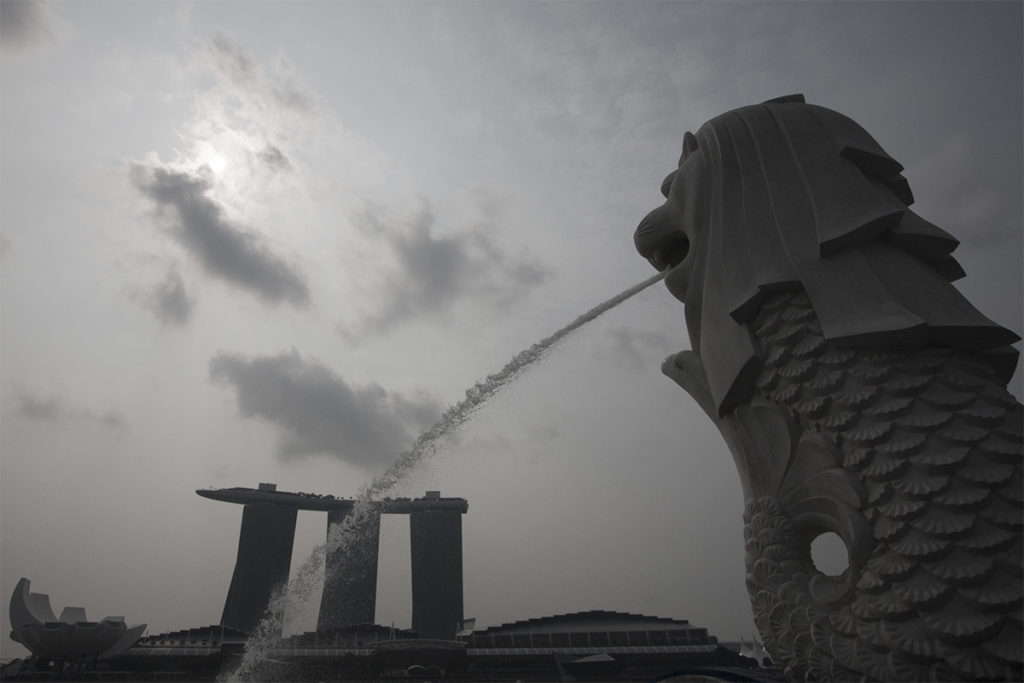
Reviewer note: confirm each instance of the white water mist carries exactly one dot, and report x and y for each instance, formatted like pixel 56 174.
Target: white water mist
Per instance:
pixel 261 643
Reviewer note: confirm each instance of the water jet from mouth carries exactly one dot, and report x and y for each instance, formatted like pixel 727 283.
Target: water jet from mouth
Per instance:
pixel 300 589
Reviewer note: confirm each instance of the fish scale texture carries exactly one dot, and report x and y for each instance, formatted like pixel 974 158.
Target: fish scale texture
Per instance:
pixel 935 440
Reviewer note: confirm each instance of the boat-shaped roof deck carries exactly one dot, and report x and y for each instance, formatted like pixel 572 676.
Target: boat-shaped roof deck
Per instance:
pixel 315 501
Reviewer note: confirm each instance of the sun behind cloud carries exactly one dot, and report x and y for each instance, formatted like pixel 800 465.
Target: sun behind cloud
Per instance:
pixel 213 159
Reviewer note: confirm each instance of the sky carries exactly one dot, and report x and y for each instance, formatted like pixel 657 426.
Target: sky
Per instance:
pixel 272 242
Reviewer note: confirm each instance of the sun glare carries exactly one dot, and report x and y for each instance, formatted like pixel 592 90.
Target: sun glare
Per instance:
pixel 208 155
pixel 217 162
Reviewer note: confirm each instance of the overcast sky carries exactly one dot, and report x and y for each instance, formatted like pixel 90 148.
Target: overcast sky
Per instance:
pixel 247 242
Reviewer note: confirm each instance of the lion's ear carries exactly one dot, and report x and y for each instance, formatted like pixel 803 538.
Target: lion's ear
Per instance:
pixel 689 146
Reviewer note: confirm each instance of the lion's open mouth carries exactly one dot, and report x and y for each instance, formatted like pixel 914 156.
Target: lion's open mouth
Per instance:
pixel 670 252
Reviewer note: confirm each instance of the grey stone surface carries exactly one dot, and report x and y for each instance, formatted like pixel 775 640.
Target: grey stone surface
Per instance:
pixel 859 393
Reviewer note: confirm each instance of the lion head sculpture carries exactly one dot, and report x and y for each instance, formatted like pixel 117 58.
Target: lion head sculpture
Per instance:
pixel 786 195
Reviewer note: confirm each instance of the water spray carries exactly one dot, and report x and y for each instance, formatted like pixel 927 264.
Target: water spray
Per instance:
pixel 300 588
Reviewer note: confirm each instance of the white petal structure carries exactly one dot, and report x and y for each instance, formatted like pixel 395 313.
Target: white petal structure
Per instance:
pixel 73 636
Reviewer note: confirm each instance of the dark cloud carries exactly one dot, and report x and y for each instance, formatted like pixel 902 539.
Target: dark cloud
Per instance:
pixel 292 97
pixel 38 409
pixel 231 59
pixel 23 22
pixel 224 249
pixel 243 70
pixel 274 158
pixel 111 419
pixel 170 300
pixel 55 409
pixel 436 271
pixel 318 412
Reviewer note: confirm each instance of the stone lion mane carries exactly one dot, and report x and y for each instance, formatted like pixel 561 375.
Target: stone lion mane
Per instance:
pixel 800 196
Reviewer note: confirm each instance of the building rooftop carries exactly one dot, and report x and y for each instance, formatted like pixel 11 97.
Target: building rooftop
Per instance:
pixel 268 493
pixel 592 620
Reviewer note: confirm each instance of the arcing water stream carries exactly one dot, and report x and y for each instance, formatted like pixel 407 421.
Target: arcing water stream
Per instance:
pixel 299 589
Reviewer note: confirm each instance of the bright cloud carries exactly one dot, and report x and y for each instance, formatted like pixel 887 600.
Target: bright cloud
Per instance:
pixel 170 300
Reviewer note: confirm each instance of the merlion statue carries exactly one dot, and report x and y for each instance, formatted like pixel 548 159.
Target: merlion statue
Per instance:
pixel 859 393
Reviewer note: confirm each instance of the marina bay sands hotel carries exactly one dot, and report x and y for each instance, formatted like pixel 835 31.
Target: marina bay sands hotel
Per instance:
pixel 350 580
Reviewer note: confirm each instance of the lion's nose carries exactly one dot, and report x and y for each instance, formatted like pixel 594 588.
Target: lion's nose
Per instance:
pixel 647 233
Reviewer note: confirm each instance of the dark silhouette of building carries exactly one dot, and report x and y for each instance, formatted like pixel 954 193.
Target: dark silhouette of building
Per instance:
pixel 350 582
pixel 435 538
pixel 597 645
pixel 263 561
